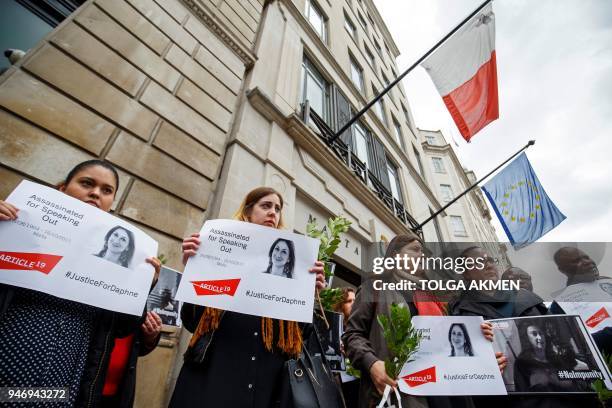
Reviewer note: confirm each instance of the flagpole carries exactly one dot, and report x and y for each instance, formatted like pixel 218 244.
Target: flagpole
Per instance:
pixel 399 78
pixel 434 215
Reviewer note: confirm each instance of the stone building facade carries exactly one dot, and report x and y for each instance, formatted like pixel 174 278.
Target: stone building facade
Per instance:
pixel 199 101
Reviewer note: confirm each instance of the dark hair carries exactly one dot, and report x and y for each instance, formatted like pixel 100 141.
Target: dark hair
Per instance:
pixel 557 348
pixel 398 242
pixel 345 294
pixel 467 344
pixel 288 268
pixel 91 163
pixel 126 255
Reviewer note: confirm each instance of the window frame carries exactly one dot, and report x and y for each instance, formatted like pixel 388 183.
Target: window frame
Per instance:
pixel 349 22
pixel 308 68
pixel 394 177
pixel 446 192
pixel 380 108
pixel 313 5
pixel 442 168
pixel 461 232
pixel 359 70
pixel 397 131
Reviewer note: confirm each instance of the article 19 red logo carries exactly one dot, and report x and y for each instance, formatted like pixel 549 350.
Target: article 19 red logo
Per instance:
pixel 421 377
pixel 216 287
pixel 28 261
pixel 598 317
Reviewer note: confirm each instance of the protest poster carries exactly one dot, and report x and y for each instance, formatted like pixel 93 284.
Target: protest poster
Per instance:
pixel 454 358
pixel 252 269
pixel 330 338
pixel 66 248
pixel 548 355
pixel 162 300
pixel 592 301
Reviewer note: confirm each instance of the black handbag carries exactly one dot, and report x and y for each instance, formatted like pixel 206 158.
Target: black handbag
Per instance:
pixel 308 380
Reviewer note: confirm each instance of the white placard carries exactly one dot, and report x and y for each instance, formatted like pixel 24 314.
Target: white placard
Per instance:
pixel 66 248
pixel 588 300
pixel 454 359
pixel 231 271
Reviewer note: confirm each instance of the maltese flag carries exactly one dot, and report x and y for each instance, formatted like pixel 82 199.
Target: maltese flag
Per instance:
pixel 465 73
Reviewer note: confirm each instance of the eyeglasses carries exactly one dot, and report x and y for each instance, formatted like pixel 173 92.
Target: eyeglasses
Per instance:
pixel 491 260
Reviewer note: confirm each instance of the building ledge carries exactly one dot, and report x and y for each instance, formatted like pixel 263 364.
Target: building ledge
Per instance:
pixel 305 137
pixel 214 24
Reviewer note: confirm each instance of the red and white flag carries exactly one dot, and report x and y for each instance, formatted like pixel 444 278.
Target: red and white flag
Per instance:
pixel 465 72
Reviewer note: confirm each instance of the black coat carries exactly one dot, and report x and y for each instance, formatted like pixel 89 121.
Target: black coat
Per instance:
pixel 108 326
pixel 469 303
pixel 229 366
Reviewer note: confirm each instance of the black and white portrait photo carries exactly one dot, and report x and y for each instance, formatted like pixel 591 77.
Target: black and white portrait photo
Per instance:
pixel 118 247
pixel 547 354
pixel 459 340
pixel 329 337
pixel 161 299
pixel 281 258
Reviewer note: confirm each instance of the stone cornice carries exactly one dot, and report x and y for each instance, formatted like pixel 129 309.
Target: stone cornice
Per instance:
pixel 214 24
pixel 310 142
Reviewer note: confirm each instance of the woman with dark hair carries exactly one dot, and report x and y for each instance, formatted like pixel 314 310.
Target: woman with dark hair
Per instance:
pixel 540 360
pixel 118 246
pixel 459 340
pixel 282 258
pixel 46 341
pixel 234 359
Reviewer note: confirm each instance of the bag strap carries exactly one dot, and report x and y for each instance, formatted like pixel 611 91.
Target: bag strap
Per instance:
pixel 387 396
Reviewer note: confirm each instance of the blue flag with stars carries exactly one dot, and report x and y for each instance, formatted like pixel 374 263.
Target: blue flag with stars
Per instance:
pixel 521 204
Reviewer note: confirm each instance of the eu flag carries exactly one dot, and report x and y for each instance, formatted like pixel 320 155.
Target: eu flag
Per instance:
pixel 521 204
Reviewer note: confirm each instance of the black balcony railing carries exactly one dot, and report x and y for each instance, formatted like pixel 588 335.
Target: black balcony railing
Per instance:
pixel 358 167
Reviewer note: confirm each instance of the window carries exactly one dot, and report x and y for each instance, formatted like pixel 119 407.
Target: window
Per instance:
pixel 398 134
pixel 394 181
pixel 356 73
pixel 378 49
pixel 384 79
pixel 315 89
pixel 361 143
pixel 431 140
pixel 379 108
pixel 316 18
pixel 419 162
pixel 447 192
pixel 24 23
pixel 350 27
pixel 369 56
pixel 362 21
pixel 406 115
pixel 458 227
pixel 438 165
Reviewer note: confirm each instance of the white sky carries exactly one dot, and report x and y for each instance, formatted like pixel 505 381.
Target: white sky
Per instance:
pixel 555 86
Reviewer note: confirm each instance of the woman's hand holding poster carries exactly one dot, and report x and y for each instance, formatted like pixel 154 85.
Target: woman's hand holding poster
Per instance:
pixel 454 358
pixel 67 248
pixel 248 268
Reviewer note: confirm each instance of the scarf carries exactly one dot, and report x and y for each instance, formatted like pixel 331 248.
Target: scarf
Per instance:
pixel 289 338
